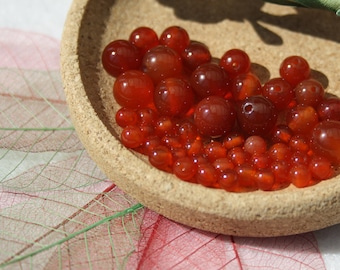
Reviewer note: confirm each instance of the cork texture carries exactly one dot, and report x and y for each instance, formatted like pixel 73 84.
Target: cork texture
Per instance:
pixel 268 33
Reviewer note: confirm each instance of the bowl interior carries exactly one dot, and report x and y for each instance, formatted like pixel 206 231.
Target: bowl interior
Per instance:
pixel 268 33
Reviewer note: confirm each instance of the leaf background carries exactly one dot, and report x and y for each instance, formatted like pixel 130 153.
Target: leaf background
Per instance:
pixel 58 211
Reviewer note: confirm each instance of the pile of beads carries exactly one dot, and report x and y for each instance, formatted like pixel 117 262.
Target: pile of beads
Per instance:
pixel 211 121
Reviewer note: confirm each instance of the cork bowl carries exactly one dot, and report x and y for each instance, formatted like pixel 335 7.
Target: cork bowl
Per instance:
pixel 268 33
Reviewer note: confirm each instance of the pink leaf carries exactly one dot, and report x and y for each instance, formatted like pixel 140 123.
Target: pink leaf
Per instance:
pixel 167 245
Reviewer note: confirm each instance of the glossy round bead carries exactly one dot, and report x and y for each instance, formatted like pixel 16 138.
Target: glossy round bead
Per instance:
pixel 265 179
pixel 321 168
pixel 119 56
pixel 294 69
pixel 214 150
pixel 326 140
pixel 281 133
pixel 255 144
pixel 162 62
pixel 206 174
pixel 235 61
pixel 309 92
pixel 144 38
pixel 126 117
pixel 302 119
pixel 185 168
pixel 209 80
pixel 245 85
pixel 214 116
pixel 233 139
pixel 132 137
pixel 227 179
pixel 173 97
pixel 279 92
pixel 161 158
pixel 133 89
pixel 175 37
pixel 300 176
pixel 256 115
pixel 329 109
pixel 195 55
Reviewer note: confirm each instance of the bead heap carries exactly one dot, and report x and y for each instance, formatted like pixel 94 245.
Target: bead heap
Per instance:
pixel 210 121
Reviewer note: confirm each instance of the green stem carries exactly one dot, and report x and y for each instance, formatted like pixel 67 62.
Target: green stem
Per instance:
pixel 127 211
pixel 331 5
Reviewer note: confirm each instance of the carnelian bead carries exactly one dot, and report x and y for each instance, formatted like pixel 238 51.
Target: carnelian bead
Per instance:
pixel 195 148
pixel 195 55
pixel 299 142
pixel 150 143
pixel 164 126
pixel 256 115
pixel 329 109
pixel 206 174
pixel 126 117
pixel 279 92
pixel 302 119
pixel 326 140
pixel 260 160
pixel 279 152
pixel 309 92
pixel 144 38
pixel 209 80
pixel 246 176
pixel 265 179
pixel 235 61
pixel 173 97
pixel 223 164
pixel 255 144
pixel 321 168
pixel 147 116
pixel 162 62
pixel 185 168
pixel 175 37
pixel 214 150
pixel 133 89
pixel 298 157
pixel 171 141
pixel 214 116
pixel 232 140
pixel 245 85
pixel 132 137
pixel 227 179
pixel 280 170
pixel 119 56
pixel 187 131
pixel 300 176
pixel 178 152
pixel 238 156
pixel 161 158
pixel 281 133
pixel 294 69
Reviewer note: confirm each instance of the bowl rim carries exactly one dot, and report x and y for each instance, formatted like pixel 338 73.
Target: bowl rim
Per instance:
pixel 283 212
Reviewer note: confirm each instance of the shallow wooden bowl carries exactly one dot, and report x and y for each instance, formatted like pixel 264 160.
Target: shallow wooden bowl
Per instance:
pixel 268 33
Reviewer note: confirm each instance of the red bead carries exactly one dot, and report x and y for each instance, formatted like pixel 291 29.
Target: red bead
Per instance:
pixel 119 56
pixel 256 115
pixel 294 69
pixel 185 168
pixel 245 85
pixel 279 92
pixel 235 61
pixel 309 92
pixel 133 89
pixel 144 38
pixel 132 137
pixel 321 168
pixel 209 80
pixel 214 116
pixel 300 176
pixel 265 179
pixel 195 55
pixel 173 97
pixel 214 150
pixel 206 175
pixel 329 109
pixel 176 38
pixel 326 140
pixel 126 117
pixel 162 62
pixel 302 119
pixel 255 144
pixel 161 158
